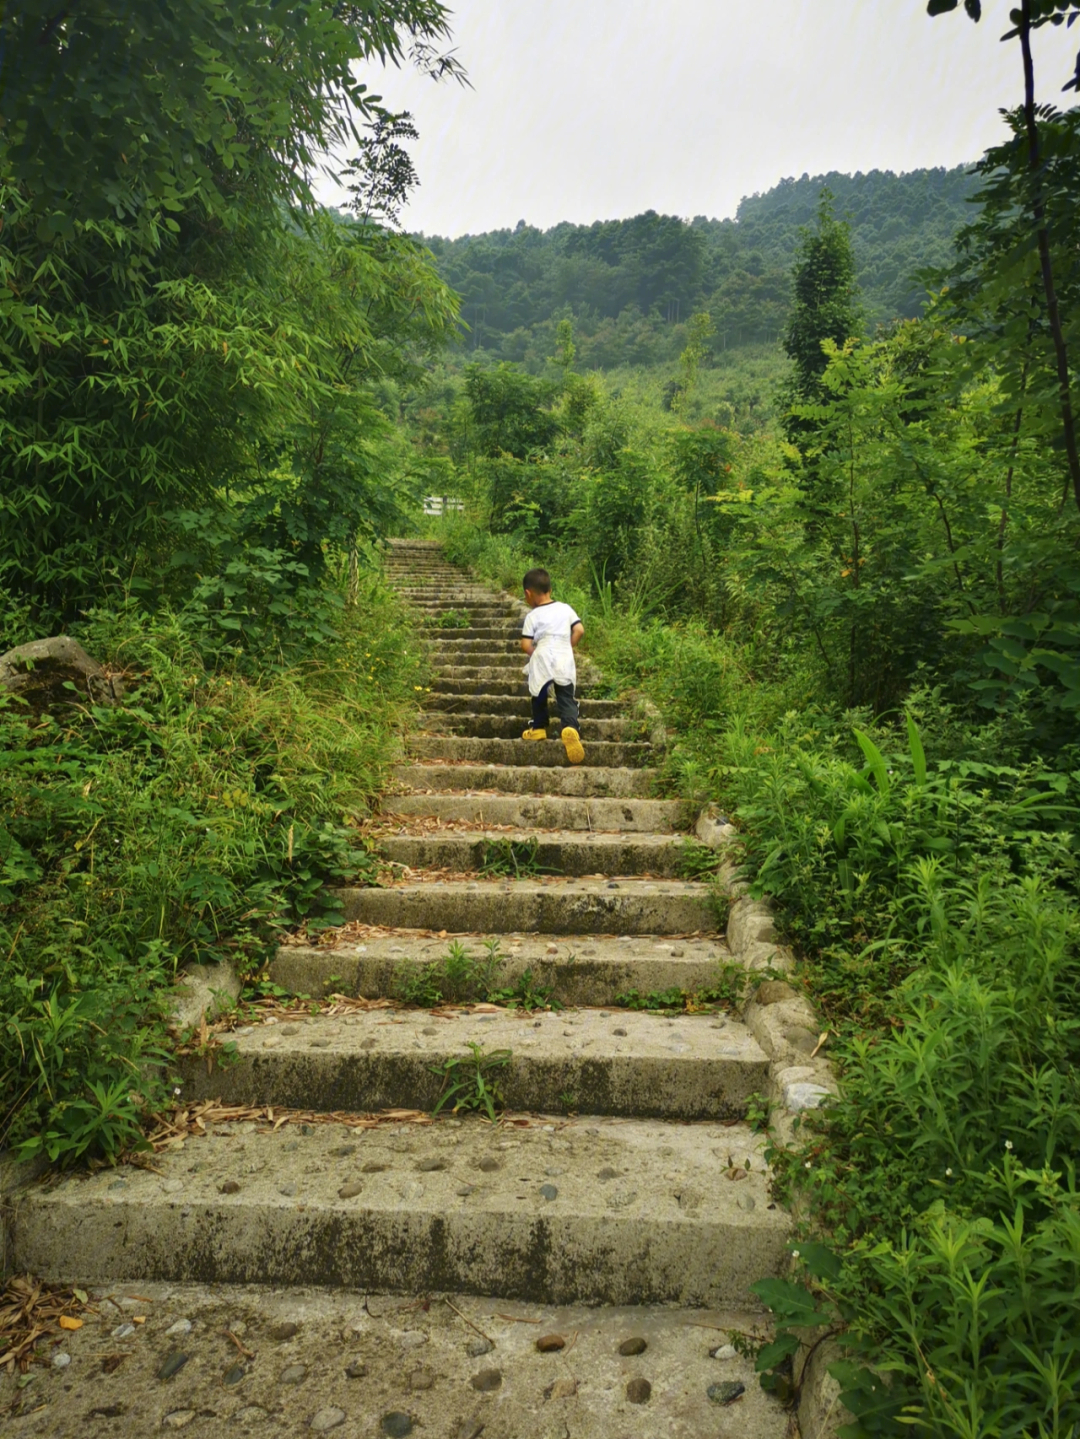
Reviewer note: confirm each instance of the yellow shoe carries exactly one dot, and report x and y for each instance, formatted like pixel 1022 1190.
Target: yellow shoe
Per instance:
pixel 535 734
pixel 575 750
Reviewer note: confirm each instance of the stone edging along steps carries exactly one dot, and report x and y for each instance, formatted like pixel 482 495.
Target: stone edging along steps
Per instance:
pixel 624 1173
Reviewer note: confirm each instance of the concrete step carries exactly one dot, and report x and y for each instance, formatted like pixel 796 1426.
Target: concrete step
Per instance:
pixel 577 852
pixel 538 753
pixel 451 684
pixel 498 663
pixel 504 634
pixel 416 1360
pixel 510 674
pixel 576 780
pixel 630 906
pixel 517 704
pixel 511 726
pixel 480 650
pixel 667 1227
pixel 631 1064
pixel 576 969
pixel 630 816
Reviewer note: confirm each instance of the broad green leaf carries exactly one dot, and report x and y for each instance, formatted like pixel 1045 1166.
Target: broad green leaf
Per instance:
pixel 876 761
pixel 918 753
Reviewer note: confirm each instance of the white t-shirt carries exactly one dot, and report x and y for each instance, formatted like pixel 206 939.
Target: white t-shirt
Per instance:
pixel 549 626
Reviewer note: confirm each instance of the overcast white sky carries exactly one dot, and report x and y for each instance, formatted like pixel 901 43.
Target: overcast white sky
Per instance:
pixel 598 109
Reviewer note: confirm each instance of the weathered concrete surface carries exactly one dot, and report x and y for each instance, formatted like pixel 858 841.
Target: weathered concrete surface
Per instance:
pixel 691 1067
pixel 402 1342
pixel 628 816
pixel 510 726
pixel 580 969
pixel 667 1226
pixel 585 780
pixel 446 702
pixel 558 852
pixel 634 906
pixel 542 753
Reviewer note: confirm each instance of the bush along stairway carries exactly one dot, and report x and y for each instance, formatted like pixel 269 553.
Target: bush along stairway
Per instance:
pixel 521 1126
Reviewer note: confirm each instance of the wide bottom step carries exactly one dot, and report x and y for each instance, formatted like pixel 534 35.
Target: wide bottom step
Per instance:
pixel 595 1212
pixel 350 1361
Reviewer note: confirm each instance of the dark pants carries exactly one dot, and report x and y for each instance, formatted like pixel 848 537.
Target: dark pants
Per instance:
pixel 565 704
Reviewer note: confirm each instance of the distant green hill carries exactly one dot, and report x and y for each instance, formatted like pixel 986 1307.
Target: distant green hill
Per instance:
pixel 628 284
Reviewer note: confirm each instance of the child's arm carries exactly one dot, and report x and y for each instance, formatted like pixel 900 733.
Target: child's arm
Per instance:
pixel 527 646
pixel 576 632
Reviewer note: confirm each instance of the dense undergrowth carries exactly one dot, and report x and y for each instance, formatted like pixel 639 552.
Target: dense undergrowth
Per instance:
pixel 190 823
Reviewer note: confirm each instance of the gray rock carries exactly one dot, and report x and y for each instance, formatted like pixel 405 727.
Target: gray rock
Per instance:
pixel 234 1375
pixel 635 1345
pixel 477 1347
pixel 489 1164
pixel 325 1419
pixel 412 1338
pixel 724 1351
pixel 548 1192
pixel 431 1166
pixel 172 1364
pixel 123 1331
pixel 182 1326
pixel 287 1191
pixel 746 1201
pixel 61 1360
pixel 350 1191
pixel 41 671
pixel 607 1173
pixel 726 1392
pixel 396 1424
pixel 287 1329
pixel 421 1379
pixel 178 1419
pixel 343 1151
pixel 356 1370
pixel 487 1381
pixel 319 1044
pixel 294 1374
pixel 639 1391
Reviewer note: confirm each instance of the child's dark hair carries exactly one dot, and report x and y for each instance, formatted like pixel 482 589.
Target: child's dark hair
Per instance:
pixel 539 581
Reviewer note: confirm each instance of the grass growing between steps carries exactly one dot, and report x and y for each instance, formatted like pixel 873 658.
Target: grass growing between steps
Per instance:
pixel 190 823
pixel 924 865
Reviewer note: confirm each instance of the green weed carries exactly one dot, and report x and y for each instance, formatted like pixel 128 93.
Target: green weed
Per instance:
pixel 528 994
pixel 473 1084
pixel 447 620
pixel 458 977
pixel 511 858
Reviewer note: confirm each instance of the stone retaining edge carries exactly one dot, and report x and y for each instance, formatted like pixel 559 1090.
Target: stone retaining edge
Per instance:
pixel 786 1026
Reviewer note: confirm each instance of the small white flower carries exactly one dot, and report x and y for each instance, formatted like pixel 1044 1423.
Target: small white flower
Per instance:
pixel 948 1174
pixel 176 1090
pixel 808 1165
pixel 1008 1144
pixel 794 1254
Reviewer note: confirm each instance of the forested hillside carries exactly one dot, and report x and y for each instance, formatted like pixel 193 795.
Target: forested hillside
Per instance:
pixel 629 283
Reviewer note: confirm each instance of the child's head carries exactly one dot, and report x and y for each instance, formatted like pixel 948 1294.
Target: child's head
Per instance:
pixel 537 587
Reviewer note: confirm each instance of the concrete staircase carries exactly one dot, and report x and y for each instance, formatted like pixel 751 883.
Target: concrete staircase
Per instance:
pixel 624 1173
